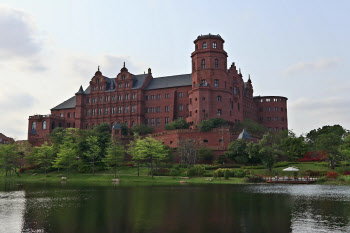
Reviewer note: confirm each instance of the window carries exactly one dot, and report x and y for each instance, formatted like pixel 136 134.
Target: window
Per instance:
pixel 203 64
pixel 260 109
pixel 94 88
pixel 93 100
pixel 87 112
pixel 282 119
pixel 276 129
pixel 180 117
pixel 216 83
pixel 158 122
pixel 147 110
pixel 159 97
pixel 113 110
pixel 133 108
pixel 68 115
pixel 281 109
pixel 126 84
pixel 275 100
pixel 152 109
pixel 235 91
pixel 100 99
pixel 133 96
pixel 268 109
pixel 158 109
pixel 120 85
pixel 268 118
pixel 44 124
pixel 113 98
pixel 106 98
pixel 93 112
pixel 126 109
pixel 101 88
pixel 204 82
pixel 153 97
pixel 166 120
pixel 218 98
pixel 133 123
pixel 275 118
pixel 167 108
pixel 126 97
pixel 204 45
pixel 239 106
pixel 147 97
pixel 181 94
pixel 68 125
pixel 203 98
pixel 261 100
pixel 188 106
pixel 267 100
pixel 97 81
pixel 120 98
pixel 167 96
pixel 86 126
pixel 61 114
pixel 219 112
pixel 216 63
pixel 270 129
pixel 106 111
pixel 181 107
pixel 152 122
pixel 123 77
pixel 88 100
pixel 120 109
pixel 147 121
pixel 214 45
pixel 276 109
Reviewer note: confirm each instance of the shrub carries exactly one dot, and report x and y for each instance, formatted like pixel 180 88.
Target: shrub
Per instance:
pixel 346 173
pixel 226 174
pixel 177 124
pixel 84 168
pixel 321 180
pixel 240 173
pixel 254 179
pixel 196 170
pixel 254 167
pixel 207 125
pixel 222 166
pixel 221 159
pixel 281 164
pixel 314 173
pixel 205 154
pixel 175 172
pixel 314 156
pixel 332 175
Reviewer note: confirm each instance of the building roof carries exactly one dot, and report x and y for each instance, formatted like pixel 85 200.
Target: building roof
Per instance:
pixel 156 83
pixel 33 132
pixel 116 126
pixel 170 81
pixel 244 135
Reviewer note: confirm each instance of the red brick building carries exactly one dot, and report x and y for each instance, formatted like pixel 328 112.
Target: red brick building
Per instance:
pixel 5 140
pixel 211 90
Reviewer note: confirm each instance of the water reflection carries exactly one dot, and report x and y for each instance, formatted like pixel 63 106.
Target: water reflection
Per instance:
pixel 206 208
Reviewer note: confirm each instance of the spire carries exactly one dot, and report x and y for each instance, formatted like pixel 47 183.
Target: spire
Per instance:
pixel 240 71
pixel 149 71
pixel 98 68
pixel 81 91
pixel 124 65
pixel 249 80
pixel 124 68
pixel 98 72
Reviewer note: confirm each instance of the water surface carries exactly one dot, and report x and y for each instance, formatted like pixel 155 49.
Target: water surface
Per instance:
pixel 186 208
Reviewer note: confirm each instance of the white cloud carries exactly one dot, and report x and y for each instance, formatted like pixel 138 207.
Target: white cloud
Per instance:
pixel 320 64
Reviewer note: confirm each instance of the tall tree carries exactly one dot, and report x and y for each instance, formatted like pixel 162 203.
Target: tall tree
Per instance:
pixel 9 158
pixel 188 151
pixel 44 156
pixel 330 143
pixel 344 149
pixel 237 151
pixel 115 155
pixel 93 153
pixel 294 147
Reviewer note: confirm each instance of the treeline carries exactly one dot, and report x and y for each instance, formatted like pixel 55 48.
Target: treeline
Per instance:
pixel 333 141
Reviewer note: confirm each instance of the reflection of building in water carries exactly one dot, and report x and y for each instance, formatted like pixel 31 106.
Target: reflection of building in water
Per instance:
pixel 12 207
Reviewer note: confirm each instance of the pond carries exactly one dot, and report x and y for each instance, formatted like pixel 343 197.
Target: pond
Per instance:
pixel 184 208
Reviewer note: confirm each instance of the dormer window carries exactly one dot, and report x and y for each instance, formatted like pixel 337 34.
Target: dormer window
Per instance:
pixel 214 45
pixel 97 80
pixel 123 77
pixel 204 45
pixel 126 84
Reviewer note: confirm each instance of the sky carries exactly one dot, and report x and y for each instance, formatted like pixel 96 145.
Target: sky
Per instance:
pixel 298 49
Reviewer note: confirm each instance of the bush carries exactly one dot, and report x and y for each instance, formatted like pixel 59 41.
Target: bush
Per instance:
pixel 221 159
pixel 254 179
pixel 240 173
pixel 314 173
pixel 142 129
pixel 205 154
pixel 332 175
pixel 84 168
pixel 196 170
pixel 221 172
pixel 322 179
pixel 281 164
pixel 177 124
pixel 222 166
pixel 175 172
pixel 207 125
pixel 226 174
pixel 346 173
pixel 254 167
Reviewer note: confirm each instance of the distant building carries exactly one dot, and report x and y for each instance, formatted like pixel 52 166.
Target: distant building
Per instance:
pixel 211 90
pixel 5 140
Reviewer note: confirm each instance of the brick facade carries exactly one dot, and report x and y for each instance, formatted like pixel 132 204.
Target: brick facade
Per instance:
pixel 211 90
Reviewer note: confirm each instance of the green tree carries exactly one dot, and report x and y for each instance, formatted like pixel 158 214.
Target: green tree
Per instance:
pixel 205 154
pixel 9 158
pixel 142 129
pixel 294 147
pixel 67 155
pixel 237 151
pixel 315 133
pixel 177 124
pixel 330 143
pixel 344 149
pixel 251 126
pixel 207 125
pixel 94 151
pixel 115 155
pixel 44 156
pixel 149 150
pixel 188 151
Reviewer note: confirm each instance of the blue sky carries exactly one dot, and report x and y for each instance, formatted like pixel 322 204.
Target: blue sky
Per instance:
pixel 298 49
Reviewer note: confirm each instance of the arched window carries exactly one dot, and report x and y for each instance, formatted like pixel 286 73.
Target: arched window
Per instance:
pixel 216 63
pixel 34 125
pixel 214 45
pixel 204 82
pixel 204 45
pixel 44 125
pixel 216 83
pixel 203 64
pixel 235 91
